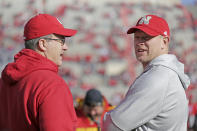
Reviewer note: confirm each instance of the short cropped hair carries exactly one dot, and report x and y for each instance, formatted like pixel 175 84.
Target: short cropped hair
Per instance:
pixel 32 44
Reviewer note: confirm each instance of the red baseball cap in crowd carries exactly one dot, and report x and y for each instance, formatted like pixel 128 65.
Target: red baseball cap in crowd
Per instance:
pixel 45 24
pixel 152 25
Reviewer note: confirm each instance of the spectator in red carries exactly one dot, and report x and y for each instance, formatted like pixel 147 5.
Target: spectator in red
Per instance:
pixel 90 111
pixel 33 97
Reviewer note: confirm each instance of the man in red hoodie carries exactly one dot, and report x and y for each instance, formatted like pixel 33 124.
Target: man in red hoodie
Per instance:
pixel 33 97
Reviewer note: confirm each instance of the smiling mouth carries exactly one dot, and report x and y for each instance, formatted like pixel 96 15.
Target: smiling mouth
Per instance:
pixel 141 50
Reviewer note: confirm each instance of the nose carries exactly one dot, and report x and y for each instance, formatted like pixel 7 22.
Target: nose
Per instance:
pixel 139 43
pixel 93 112
pixel 65 46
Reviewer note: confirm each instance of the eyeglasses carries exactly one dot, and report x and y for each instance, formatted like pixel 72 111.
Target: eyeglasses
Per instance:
pixel 62 41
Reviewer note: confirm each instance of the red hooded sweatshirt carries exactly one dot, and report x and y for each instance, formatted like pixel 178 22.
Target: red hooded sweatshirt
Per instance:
pixel 33 97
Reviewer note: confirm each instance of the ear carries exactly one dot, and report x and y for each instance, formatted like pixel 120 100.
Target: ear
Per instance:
pixel 165 42
pixel 166 39
pixel 42 45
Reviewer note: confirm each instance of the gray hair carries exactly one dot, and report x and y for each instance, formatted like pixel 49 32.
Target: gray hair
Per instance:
pixel 32 44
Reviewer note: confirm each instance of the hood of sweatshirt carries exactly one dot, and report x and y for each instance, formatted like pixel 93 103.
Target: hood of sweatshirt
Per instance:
pixel 25 62
pixel 170 61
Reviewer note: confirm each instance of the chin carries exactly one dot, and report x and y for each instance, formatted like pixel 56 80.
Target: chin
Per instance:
pixel 59 63
pixel 140 59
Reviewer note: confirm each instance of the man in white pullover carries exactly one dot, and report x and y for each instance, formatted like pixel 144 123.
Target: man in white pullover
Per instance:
pixel 156 101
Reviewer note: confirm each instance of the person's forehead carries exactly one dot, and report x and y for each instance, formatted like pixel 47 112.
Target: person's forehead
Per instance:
pixel 94 107
pixel 141 33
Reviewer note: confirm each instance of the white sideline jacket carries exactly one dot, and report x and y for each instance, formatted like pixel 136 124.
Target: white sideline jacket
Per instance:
pixel 156 101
